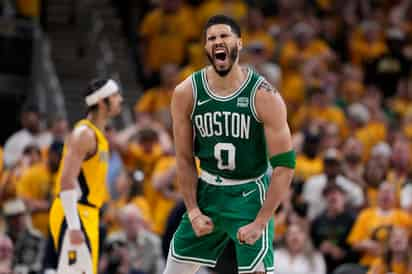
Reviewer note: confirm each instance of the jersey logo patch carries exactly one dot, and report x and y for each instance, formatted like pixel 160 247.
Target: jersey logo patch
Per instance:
pixel 245 194
pixel 199 103
pixel 242 102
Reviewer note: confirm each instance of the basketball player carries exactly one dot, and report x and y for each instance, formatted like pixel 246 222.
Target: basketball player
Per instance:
pixel 238 123
pixel 81 182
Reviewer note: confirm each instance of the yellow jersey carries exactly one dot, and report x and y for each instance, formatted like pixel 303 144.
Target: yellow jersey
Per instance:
pixel 92 176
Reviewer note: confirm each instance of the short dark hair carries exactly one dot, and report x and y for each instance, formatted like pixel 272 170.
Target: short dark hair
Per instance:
pixel 224 20
pixel 94 85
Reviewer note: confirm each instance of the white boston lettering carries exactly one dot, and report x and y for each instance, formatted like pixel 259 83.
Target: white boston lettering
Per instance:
pixel 208 124
pixel 199 125
pixel 226 114
pixel 235 125
pixel 244 126
pixel 228 124
pixel 217 123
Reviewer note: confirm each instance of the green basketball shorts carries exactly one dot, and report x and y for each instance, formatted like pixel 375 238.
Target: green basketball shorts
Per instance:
pixel 231 204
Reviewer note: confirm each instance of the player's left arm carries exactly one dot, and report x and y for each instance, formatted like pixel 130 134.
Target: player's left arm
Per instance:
pixel 271 110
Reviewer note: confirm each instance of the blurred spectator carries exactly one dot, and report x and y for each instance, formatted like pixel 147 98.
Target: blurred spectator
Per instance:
pixel 196 60
pixel 236 9
pixel 6 254
pixel 319 109
pixel 298 256
pixel 351 85
pixel 406 198
pixel 166 195
pixel 36 187
pixel 304 46
pixel 389 67
pixel 8 183
pixel 255 34
pixel 400 164
pixel 155 102
pixel 165 32
pixel 143 248
pixel 314 186
pixel 401 103
pixel 396 258
pixel 129 189
pixel 366 42
pixel 353 168
pixel 59 128
pixel 29 244
pixel 29 134
pixel 308 163
pixel 331 136
pixel 142 153
pixel 115 161
pixel 374 176
pixel 368 131
pixel 370 232
pixel 330 229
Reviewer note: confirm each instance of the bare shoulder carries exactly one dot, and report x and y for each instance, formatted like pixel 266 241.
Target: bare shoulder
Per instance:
pixel 268 100
pixel 183 96
pixel 267 87
pixel 82 138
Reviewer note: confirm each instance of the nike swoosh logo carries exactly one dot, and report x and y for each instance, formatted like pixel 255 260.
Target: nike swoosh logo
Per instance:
pixel 245 194
pixel 199 103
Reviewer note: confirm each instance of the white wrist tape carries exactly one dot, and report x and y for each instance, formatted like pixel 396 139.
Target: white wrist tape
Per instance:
pixel 69 201
pixel 105 91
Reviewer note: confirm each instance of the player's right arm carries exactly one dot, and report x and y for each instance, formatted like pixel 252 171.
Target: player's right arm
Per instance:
pixel 182 105
pixel 81 144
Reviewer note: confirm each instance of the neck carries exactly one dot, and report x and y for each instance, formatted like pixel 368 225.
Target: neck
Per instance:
pixel 98 119
pixel 227 84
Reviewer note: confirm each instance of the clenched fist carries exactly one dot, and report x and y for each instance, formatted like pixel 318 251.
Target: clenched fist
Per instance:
pixel 250 233
pixel 201 223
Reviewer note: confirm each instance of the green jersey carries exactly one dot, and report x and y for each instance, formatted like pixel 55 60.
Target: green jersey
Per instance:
pixel 229 138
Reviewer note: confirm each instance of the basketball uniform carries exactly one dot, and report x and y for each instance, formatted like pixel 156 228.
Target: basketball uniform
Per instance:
pixel 93 193
pixel 230 143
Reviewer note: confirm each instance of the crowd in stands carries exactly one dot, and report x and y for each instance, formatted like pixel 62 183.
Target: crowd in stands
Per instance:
pixel 344 69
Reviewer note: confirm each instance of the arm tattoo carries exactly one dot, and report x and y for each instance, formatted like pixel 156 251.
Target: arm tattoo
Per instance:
pixel 266 86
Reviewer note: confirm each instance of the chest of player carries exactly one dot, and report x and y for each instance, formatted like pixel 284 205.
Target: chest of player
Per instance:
pixel 223 120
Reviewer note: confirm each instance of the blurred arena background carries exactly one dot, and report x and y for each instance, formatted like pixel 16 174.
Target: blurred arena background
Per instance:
pixel 343 68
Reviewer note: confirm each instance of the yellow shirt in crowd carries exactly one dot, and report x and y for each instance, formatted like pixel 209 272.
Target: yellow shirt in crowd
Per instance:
pixel 236 9
pixel 163 205
pixel 306 167
pixel 380 267
pixel 369 221
pixel 145 161
pixel 154 100
pixel 369 135
pixel 37 183
pixel 114 207
pixel 166 36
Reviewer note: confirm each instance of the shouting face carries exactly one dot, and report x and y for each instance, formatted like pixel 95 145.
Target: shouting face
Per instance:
pixel 222 48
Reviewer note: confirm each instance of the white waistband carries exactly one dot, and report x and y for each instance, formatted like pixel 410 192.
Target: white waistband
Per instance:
pixel 220 181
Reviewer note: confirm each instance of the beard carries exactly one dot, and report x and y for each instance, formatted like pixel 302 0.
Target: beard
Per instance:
pixel 233 54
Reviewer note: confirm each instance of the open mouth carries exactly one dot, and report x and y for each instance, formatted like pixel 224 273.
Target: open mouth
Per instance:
pixel 220 54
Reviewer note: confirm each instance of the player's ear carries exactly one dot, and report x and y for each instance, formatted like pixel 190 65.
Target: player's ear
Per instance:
pixel 239 44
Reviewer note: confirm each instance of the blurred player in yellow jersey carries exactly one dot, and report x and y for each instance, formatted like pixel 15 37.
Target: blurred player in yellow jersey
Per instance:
pixel 81 182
